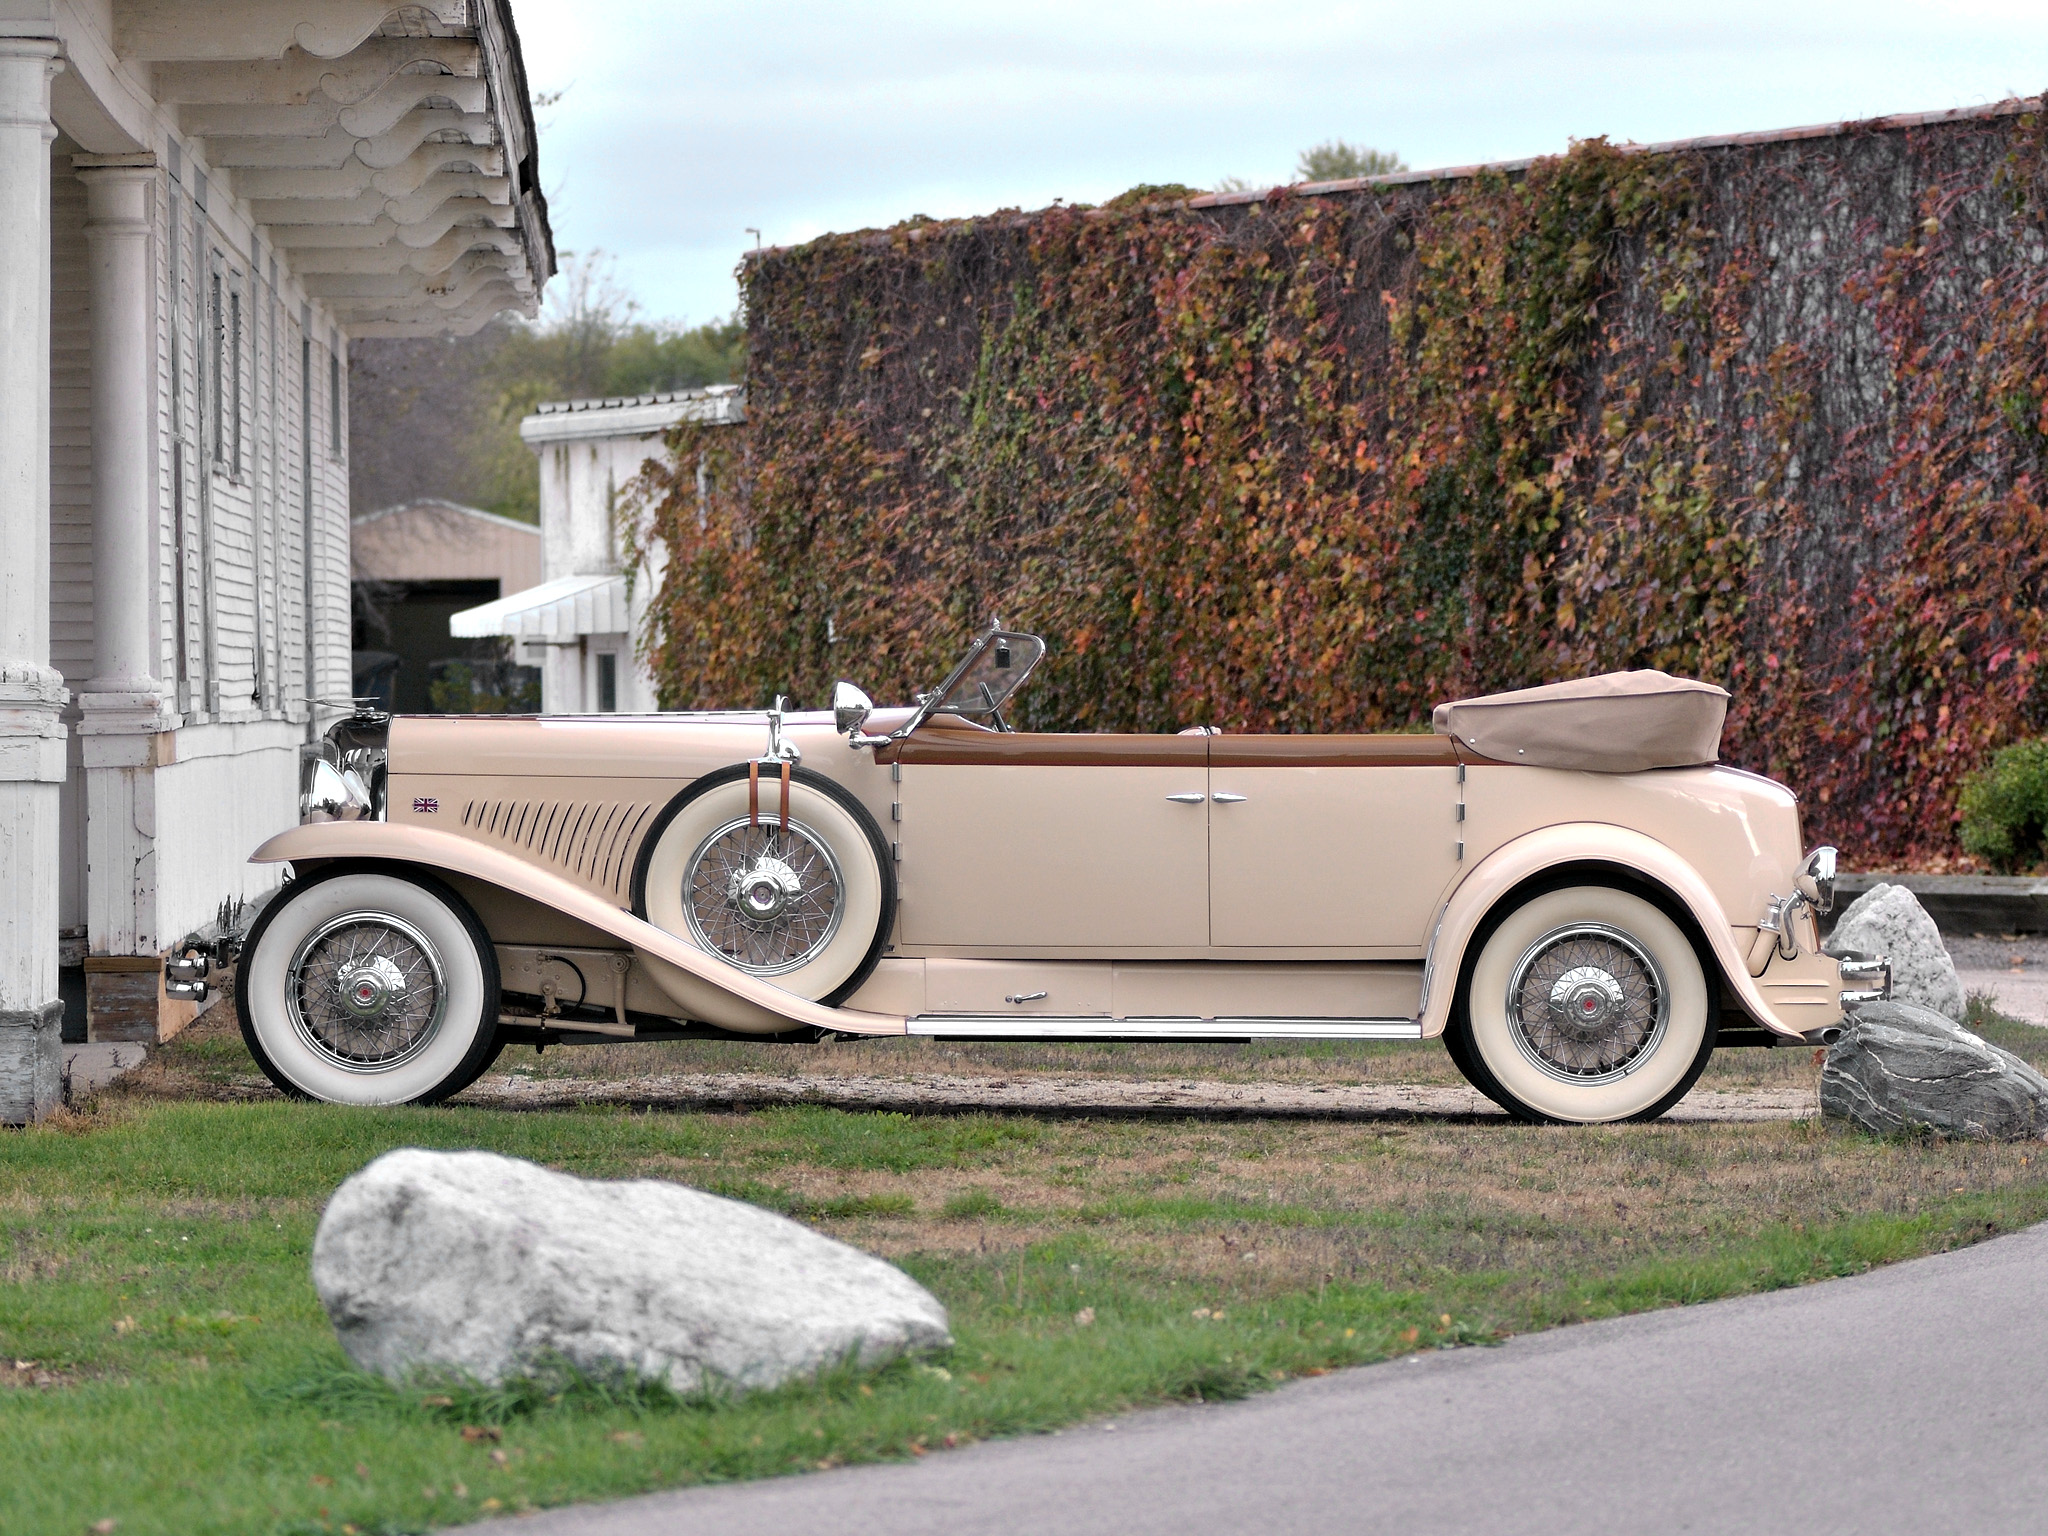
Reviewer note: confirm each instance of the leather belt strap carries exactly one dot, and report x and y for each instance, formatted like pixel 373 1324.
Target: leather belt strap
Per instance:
pixel 785 805
pixel 753 794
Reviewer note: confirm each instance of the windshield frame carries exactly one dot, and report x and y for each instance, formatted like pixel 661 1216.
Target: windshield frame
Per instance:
pixel 938 701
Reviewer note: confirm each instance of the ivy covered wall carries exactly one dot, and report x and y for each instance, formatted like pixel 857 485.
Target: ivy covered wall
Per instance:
pixel 1771 413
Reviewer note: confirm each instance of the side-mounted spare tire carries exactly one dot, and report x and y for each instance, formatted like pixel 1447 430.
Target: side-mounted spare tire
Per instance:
pixel 808 907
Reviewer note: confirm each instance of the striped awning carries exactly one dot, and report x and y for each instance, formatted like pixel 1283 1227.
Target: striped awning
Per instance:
pixel 558 611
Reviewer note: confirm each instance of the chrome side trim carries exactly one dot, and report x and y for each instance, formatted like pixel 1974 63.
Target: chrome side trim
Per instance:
pixel 983 1026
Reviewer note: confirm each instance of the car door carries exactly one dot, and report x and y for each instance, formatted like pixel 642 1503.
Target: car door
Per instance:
pixel 1037 843
pixel 1330 842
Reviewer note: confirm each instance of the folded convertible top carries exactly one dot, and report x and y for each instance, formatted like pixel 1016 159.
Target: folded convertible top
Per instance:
pixel 1619 722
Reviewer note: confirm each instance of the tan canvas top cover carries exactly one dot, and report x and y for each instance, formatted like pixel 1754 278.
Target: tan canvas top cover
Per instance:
pixel 1619 722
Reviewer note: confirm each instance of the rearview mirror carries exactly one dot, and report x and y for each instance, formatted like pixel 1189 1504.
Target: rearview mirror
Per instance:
pixel 850 707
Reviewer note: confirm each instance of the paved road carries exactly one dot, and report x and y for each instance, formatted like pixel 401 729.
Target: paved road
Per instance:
pixel 1911 1399
pixel 2017 994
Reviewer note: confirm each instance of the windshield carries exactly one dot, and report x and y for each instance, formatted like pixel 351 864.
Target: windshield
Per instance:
pixel 992 671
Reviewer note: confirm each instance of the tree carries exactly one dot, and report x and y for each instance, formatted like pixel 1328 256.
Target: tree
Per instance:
pixel 440 417
pixel 1336 160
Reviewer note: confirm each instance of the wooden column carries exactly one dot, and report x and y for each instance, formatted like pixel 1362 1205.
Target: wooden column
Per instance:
pixel 123 714
pixel 31 692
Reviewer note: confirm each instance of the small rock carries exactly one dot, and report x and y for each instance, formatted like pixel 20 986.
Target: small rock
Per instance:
pixel 1899 1065
pixel 1888 922
pixel 491 1267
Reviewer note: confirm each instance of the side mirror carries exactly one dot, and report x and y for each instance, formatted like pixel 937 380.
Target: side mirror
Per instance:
pixel 850 707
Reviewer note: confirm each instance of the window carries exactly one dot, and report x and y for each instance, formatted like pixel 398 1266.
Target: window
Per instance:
pixel 224 395
pixel 607 683
pixel 333 398
pixel 218 325
pixel 235 381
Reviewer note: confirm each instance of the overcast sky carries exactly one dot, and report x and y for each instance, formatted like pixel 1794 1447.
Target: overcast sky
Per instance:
pixel 682 123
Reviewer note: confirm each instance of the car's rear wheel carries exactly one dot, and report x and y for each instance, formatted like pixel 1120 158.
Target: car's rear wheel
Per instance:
pixel 808 906
pixel 369 988
pixel 1585 1004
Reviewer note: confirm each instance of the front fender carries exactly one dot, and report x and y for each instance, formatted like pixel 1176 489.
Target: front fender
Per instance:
pixel 1494 876
pixel 713 991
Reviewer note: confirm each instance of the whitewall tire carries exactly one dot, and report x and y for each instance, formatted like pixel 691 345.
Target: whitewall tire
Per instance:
pixel 1586 1004
pixel 369 988
pixel 807 908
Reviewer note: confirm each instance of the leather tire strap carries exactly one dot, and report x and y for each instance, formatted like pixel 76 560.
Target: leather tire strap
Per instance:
pixel 783 830
pixel 753 794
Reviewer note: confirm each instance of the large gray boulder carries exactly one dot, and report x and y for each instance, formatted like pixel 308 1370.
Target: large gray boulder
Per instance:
pixel 1888 922
pixel 1898 1065
pixel 489 1267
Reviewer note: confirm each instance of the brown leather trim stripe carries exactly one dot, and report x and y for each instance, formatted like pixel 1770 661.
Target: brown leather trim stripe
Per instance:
pixel 1408 751
pixel 1044 749
pixel 1081 749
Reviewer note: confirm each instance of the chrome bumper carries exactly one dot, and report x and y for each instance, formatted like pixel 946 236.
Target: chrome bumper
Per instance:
pixel 1857 969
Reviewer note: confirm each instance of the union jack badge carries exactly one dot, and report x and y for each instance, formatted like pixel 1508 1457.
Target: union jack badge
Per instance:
pixel 425 805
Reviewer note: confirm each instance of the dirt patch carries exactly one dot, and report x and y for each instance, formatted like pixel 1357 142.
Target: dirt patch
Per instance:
pixel 1051 1093
pixel 32 1375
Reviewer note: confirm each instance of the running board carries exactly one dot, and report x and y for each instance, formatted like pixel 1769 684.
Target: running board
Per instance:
pixel 1002 1026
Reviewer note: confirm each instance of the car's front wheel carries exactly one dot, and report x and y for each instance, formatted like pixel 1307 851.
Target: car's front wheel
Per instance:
pixel 369 988
pixel 1585 1004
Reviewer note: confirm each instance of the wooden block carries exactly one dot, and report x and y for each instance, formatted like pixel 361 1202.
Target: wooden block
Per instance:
pixel 125 1000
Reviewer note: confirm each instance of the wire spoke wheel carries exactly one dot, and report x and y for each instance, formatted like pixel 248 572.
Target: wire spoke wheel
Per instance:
pixel 1587 1004
pixel 367 991
pixel 768 899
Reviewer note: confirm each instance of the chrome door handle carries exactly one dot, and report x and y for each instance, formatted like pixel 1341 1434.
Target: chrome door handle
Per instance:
pixel 1024 997
pixel 1185 799
pixel 1228 799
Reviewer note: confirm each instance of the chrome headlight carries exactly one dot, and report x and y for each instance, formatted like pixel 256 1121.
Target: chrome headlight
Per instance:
pixel 343 779
pixel 328 793
pixel 1817 879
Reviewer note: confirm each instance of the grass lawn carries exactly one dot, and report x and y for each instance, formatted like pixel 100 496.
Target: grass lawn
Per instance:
pixel 164 1364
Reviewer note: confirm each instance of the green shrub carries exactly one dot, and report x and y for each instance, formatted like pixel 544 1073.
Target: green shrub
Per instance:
pixel 2005 808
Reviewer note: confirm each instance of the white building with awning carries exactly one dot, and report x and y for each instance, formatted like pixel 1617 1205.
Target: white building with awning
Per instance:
pixel 583 624
pixel 201 203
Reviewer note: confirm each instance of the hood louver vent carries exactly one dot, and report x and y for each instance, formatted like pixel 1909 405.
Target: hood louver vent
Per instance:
pixel 591 841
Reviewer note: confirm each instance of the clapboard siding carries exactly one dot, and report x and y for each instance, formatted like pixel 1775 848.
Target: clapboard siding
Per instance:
pixel 251 592
pixel 162 221
pixel 330 534
pixel 70 423
pixel 235 542
pixel 182 622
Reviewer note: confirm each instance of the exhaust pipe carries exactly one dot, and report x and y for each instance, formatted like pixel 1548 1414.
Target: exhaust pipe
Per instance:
pixel 1827 1034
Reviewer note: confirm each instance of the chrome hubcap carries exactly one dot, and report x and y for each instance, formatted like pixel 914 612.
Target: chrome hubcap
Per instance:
pixel 763 890
pixel 1585 1001
pixel 767 900
pixel 369 985
pixel 1587 1004
pixel 367 991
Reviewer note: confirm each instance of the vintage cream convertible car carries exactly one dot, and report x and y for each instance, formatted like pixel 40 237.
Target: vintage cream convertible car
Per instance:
pixel 1560 882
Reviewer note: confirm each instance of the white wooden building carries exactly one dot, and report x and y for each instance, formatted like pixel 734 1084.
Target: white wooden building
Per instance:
pixel 201 202
pixel 584 622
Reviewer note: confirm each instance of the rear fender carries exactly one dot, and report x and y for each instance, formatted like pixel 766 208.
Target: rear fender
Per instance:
pixel 1582 843
pixel 706 988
